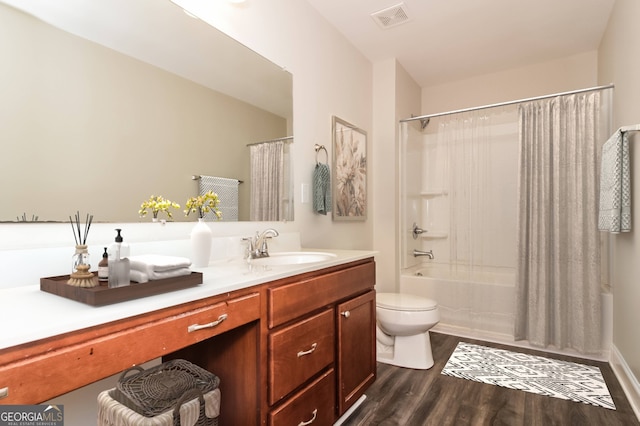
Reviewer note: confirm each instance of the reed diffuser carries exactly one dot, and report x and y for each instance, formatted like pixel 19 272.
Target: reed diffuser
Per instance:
pixel 81 260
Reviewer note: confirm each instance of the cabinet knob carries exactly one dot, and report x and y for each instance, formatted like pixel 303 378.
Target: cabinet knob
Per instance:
pixel 196 327
pixel 313 419
pixel 346 314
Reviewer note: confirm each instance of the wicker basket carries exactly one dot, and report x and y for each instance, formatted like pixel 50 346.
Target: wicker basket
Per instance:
pixel 155 390
pixel 112 413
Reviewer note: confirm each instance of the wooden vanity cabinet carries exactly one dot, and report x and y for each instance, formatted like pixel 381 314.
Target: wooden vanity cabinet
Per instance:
pixel 298 350
pixel 321 328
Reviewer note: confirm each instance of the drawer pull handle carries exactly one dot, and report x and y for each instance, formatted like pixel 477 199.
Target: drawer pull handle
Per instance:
pixel 346 314
pixel 313 419
pixel 196 327
pixel 4 392
pixel 303 353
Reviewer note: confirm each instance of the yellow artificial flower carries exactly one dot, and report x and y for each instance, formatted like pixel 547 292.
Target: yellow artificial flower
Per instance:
pixel 157 204
pixel 203 204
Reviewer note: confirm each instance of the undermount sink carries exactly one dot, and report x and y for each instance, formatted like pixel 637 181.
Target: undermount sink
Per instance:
pixel 293 258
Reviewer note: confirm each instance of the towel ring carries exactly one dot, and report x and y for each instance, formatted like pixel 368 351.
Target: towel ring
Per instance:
pixel 319 148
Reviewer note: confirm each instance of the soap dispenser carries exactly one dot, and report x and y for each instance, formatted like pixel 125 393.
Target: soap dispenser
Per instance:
pixel 119 267
pixel 103 268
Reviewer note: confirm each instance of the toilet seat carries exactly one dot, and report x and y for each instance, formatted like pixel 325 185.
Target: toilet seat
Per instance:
pixel 404 302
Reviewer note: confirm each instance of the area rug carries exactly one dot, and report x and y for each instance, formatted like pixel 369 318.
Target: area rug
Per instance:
pixel 529 373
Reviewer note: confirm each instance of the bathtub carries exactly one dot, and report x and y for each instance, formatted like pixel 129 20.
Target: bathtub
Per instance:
pixel 482 307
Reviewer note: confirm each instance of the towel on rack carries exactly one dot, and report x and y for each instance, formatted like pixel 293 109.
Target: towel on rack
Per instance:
pixel 321 189
pixel 227 190
pixel 615 185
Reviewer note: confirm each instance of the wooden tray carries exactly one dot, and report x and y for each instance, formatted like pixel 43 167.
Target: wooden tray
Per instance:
pixel 103 295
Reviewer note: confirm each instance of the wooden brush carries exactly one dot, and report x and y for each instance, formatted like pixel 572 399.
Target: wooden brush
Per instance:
pixel 82 277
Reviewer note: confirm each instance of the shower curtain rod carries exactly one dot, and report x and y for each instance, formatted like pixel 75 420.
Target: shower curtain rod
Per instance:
pixel 536 98
pixel 287 139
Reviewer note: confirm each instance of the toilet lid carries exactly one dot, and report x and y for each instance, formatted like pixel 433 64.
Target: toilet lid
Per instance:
pixel 404 302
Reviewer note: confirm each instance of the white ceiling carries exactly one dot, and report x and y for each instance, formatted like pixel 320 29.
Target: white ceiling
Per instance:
pixel 444 40
pixel 448 40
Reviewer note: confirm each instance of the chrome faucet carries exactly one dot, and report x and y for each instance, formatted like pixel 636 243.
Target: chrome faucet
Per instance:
pixel 257 246
pixel 417 253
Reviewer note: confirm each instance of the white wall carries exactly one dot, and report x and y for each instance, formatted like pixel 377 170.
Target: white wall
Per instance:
pixel 571 73
pixel 330 77
pixel 619 63
pixel 396 96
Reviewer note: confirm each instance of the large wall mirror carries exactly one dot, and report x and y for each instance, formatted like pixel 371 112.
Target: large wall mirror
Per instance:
pixel 107 102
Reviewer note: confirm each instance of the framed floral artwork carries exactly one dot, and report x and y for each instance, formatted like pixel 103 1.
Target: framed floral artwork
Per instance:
pixel 349 174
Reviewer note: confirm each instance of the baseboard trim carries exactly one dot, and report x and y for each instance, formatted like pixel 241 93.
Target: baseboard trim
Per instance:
pixel 506 339
pixel 350 411
pixel 627 379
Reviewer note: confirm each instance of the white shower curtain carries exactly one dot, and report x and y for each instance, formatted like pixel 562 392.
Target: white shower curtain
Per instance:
pixel 270 182
pixel 558 275
pixel 474 158
pixel 467 137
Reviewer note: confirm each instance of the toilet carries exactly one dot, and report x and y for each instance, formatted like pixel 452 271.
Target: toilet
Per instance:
pixel 402 332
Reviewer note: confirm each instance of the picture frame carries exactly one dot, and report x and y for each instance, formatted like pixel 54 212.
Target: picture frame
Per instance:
pixel 349 172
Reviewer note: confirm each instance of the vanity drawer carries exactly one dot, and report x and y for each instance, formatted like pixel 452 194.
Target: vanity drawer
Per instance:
pixel 41 371
pixel 290 301
pixel 314 405
pixel 201 324
pixel 300 351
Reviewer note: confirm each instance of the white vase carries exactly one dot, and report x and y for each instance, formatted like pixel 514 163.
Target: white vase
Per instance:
pixel 200 244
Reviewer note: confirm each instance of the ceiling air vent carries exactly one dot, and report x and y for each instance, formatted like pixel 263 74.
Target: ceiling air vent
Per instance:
pixel 391 16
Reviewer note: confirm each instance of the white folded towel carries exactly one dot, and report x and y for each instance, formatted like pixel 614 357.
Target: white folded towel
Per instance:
pixel 161 275
pixel 158 263
pixel 138 276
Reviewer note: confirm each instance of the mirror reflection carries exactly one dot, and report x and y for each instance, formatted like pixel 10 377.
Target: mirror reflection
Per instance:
pixel 87 126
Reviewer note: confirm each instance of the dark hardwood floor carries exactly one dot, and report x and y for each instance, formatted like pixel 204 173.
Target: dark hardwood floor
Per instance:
pixel 403 396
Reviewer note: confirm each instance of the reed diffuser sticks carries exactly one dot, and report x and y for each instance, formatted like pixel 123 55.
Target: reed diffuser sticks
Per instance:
pixel 78 235
pixel 80 275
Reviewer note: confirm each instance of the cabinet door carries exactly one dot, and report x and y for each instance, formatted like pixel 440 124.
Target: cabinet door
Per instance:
pixel 356 319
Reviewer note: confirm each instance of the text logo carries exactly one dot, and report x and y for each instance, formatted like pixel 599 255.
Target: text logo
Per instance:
pixel 31 415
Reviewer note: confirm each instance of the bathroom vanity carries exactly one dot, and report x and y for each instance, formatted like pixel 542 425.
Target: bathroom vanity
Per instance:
pixel 290 343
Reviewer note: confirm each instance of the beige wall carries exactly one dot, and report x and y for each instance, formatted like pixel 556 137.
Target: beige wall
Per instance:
pixel 571 73
pixel 396 96
pixel 86 128
pixel 619 63
pixel 330 77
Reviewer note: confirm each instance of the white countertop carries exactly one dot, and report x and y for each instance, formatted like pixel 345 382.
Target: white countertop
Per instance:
pixel 28 314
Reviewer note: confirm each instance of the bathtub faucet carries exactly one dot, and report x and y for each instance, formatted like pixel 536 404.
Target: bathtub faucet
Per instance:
pixel 417 253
